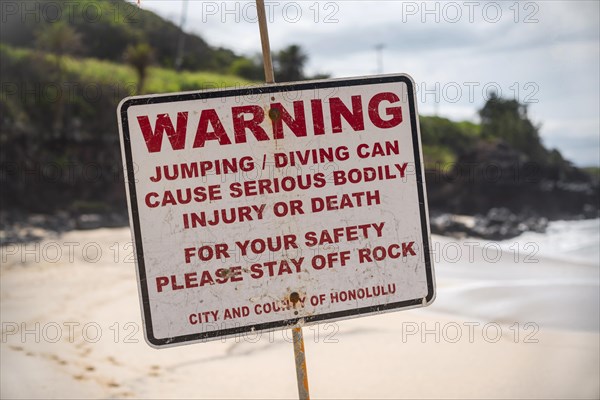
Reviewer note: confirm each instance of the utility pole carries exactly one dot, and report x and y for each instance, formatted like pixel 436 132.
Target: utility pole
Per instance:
pixel 181 41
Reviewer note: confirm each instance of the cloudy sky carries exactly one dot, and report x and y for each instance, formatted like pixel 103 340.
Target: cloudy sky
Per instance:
pixel 544 53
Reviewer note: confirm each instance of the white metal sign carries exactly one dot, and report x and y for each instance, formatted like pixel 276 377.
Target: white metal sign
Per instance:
pixel 260 208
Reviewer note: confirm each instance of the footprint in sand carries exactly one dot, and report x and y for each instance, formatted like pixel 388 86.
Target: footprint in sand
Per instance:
pixel 85 352
pixel 57 359
pixel 113 361
pixel 154 370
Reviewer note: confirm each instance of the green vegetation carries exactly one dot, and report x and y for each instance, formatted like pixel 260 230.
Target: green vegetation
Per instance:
pixel 81 85
pixel 444 141
pixel 57 118
pixel 91 70
pixel 502 120
pixel 61 83
pixel 288 66
pixel 249 68
pixel 507 120
pixel 593 171
pixel 139 57
pixel 438 157
pixel 107 27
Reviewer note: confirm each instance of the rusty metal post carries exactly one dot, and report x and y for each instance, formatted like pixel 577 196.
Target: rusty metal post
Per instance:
pixel 298 338
pixel 301 374
pixel 264 40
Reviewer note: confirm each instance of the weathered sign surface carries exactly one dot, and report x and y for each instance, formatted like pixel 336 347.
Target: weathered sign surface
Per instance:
pixel 258 208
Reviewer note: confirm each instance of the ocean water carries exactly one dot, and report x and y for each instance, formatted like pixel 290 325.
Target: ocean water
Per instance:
pixel 572 241
pixel 549 279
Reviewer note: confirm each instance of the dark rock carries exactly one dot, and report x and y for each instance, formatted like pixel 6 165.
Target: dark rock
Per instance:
pixel 18 227
pixel 89 221
pixel 501 224
pixel 495 176
pixel 445 224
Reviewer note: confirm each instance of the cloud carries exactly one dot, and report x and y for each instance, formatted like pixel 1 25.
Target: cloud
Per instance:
pixel 545 54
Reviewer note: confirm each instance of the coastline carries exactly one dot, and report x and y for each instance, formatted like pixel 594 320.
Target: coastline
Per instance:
pixel 516 329
pixel 498 224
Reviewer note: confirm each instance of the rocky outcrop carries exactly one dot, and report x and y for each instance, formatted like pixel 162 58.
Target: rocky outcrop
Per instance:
pixel 495 176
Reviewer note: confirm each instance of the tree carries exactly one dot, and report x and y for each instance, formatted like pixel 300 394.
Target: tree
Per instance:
pixel 140 57
pixel 59 39
pixel 289 64
pixel 508 120
pixel 251 69
pixel 320 75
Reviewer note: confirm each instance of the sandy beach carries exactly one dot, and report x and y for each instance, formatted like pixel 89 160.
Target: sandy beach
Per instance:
pixel 511 323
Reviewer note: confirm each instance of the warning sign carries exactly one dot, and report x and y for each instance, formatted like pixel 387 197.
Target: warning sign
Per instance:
pixel 260 208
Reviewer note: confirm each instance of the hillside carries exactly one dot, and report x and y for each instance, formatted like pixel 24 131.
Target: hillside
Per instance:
pixel 107 28
pixel 58 132
pixel 61 84
pixel 58 124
